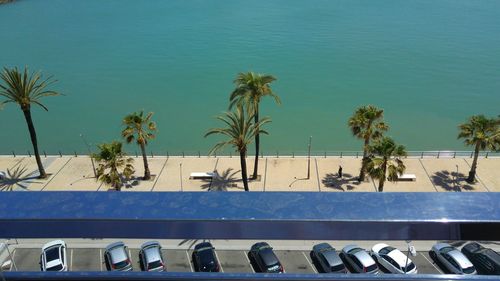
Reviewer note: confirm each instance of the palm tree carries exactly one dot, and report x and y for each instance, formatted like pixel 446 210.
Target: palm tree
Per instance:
pixel 367 124
pixel 111 160
pixel 250 89
pixel 385 162
pixel 482 133
pixel 27 89
pixel 239 131
pixel 140 128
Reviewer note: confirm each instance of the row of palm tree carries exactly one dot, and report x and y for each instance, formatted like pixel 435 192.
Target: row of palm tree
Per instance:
pixel 381 155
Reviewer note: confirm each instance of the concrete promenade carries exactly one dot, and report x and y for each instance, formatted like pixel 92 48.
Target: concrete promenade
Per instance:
pixel 276 174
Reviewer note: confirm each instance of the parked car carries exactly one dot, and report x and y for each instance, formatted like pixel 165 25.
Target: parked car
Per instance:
pixel 327 259
pixel 116 257
pixel 359 260
pixel 265 259
pixel 452 259
pixel 393 259
pixel 485 260
pixel 204 258
pixel 151 258
pixel 53 257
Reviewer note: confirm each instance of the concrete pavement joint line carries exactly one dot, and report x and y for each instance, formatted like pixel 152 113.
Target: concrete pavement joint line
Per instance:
pixel 13 260
pixel 427 173
pixel 159 174
pixel 71 261
pixel 432 264
pixel 100 258
pixel 310 263
pixel 54 175
pixel 317 173
pixel 246 256
pixel 220 264
pixel 189 261
pixel 477 176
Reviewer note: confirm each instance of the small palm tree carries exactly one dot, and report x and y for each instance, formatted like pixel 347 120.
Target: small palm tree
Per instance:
pixel 250 89
pixel 239 131
pixel 27 89
pixel 385 162
pixel 482 133
pixel 367 124
pixel 114 165
pixel 140 128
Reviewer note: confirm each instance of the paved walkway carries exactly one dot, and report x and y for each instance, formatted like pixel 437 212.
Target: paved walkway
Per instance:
pixel 275 174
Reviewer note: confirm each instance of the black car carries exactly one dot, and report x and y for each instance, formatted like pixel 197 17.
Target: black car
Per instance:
pixel 204 258
pixel 485 260
pixel 265 259
pixel 326 259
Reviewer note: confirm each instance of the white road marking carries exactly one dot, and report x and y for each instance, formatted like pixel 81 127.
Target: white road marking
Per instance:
pixel 249 263
pixel 71 261
pixel 217 256
pixel 310 263
pixel 100 258
pixel 189 261
pixel 432 264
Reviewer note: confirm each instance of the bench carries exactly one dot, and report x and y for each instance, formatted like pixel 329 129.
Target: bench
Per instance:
pixel 202 176
pixel 407 177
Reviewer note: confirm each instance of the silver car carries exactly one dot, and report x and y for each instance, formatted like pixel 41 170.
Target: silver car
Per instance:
pixel 54 257
pixel 151 258
pixel 116 257
pixel 452 259
pixel 359 259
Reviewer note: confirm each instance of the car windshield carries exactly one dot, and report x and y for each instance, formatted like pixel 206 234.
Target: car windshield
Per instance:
pixel 371 268
pixel 386 250
pixel 55 268
pixel 469 270
pixel 338 267
pixel 355 250
pixel 273 268
pixel 122 264
pixel 326 249
pixel 52 254
pixel 410 267
pixel 446 250
pixel 154 264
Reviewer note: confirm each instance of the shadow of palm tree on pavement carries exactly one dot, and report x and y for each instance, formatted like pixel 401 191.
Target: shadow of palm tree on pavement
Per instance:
pixel 17 178
pixel 451 181
pixel 222 182
pixel 333 181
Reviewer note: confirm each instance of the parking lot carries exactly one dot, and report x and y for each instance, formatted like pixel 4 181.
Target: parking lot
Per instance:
pixel 91 259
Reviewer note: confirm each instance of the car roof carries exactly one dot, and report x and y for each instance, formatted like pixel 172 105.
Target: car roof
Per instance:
pixel 117 251
pixel 332 257
pixel 268 256
pixel 364 258
pixel 460 258
pixel 152 254
pixel 399 257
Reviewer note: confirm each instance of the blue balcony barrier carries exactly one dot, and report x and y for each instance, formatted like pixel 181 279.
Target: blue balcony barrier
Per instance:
pixel 251 215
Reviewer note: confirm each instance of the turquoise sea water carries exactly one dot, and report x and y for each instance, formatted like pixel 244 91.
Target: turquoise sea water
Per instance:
pixel 429 64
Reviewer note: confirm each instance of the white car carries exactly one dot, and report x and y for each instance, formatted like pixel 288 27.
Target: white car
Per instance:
pixel 393 259
pixel 53 257
pixel 452 259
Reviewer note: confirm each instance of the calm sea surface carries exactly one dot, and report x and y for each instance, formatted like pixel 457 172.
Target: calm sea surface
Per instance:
pixel 429 64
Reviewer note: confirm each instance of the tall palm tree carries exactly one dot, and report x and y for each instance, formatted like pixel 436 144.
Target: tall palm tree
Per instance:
pixel 114 165
pixel 250 89
pixel 482 133
pixel 239 131
pixel 27 89
pixel 140 128
pixel 367 124
pixel 385 162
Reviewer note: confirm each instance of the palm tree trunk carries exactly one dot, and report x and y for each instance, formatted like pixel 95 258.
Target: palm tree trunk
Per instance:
pixel 472 172
pixel 257 145
pixel 243 162
pixel 147 173
pixel 382 179
pixel 364 160
pixel 31 128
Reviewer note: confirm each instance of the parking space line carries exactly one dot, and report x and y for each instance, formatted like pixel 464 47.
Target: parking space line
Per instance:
pixel 432 264
pixel 100 258
pixel 189 261
pixel 249 263
pixel 13 265
pixel 220 264
pixel 71 261
pixel 310 263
